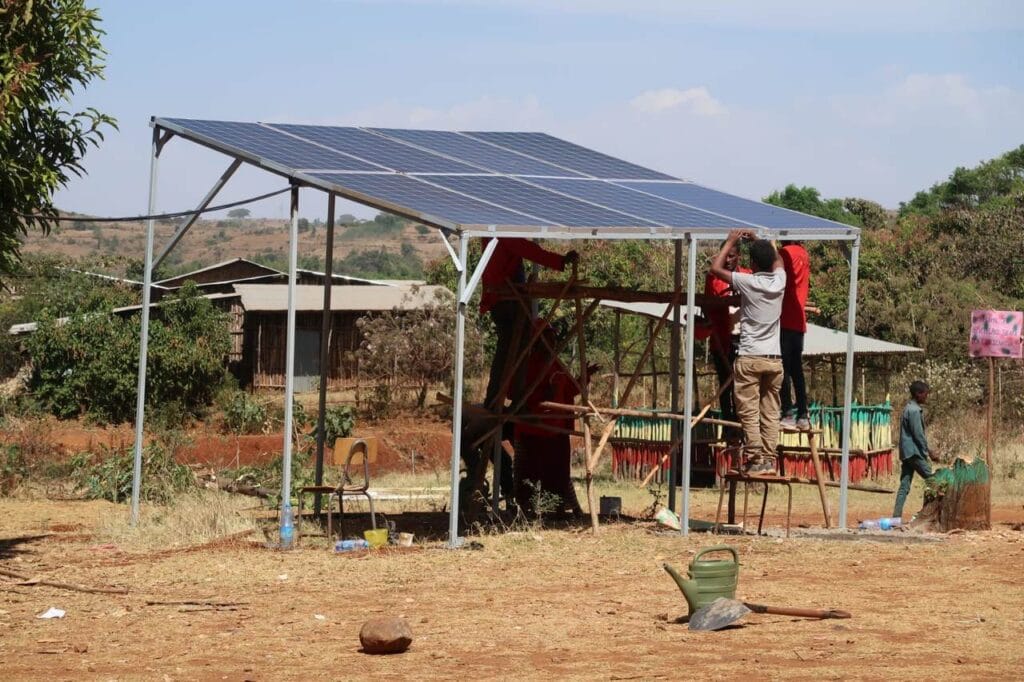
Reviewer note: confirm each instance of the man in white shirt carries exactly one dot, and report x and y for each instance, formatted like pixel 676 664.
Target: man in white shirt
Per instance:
pixel 757 372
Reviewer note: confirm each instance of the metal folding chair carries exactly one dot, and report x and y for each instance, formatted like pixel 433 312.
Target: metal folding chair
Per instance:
pixel 346 487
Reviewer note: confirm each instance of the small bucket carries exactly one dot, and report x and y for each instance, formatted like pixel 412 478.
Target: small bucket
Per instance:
pixel 405 539
pixel 377 537
pixel 611 505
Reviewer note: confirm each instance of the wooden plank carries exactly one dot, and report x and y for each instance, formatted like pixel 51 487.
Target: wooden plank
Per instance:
pixel 621 294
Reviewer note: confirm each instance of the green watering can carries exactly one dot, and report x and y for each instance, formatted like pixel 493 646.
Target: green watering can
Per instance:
pixel 709 579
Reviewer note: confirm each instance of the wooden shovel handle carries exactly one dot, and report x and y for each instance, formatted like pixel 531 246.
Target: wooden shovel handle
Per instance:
pixel 803 613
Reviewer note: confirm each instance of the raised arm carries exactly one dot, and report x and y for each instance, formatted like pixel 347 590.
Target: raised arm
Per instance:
pixel 718 268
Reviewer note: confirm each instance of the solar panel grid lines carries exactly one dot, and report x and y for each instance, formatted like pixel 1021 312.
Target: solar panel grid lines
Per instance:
pixel 424 198
pixel 527 198
pixel 755 213
pixel 261 143
pixel 384 151
pixel 513 180
pixel 569 155
pixel 638 204
pixel 476 152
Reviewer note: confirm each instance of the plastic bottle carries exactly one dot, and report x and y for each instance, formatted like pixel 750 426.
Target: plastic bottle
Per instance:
pixel 350 545
pixel 884 523
pixel 287 526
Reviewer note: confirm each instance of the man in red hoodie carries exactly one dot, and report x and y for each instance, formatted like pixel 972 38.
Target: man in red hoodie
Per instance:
pixel 506 266
pixel 724 338
pixel 793 324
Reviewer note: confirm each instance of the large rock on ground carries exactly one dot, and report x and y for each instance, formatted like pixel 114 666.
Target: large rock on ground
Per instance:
pixel 385 635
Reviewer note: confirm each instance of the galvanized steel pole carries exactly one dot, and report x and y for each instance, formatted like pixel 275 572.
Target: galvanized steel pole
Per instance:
pixel 851 319
pixel 289 353
pixel 147 284
pixel 460 333
pixel 691 295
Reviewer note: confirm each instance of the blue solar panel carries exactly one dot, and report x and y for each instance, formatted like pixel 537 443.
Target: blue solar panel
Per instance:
pixel 571 156
pixel 405 191
pixel 481 154
pixel 736 207
pixel 636 203
pixel 381 150
pixel 524 198
pixel 253 139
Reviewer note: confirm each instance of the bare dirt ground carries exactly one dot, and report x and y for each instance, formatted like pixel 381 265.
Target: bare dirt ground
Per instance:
pixel 531 604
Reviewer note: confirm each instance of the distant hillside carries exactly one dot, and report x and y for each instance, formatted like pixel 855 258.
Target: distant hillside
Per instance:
pixel 390 245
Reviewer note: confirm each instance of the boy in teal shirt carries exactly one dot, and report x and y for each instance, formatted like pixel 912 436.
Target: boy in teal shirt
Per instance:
pixel 914 450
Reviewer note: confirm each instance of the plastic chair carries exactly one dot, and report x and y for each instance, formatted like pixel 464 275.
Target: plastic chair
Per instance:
pixel 346 487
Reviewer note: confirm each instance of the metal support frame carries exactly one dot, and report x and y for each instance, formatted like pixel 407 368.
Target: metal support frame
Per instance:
pixel 851 320
pixel 451 251
pixel 691 284
pixel 485 258
pixel 289 353
pixel 454 540
pixel 163 132
pixel 147 285
pixel 325 353
pixel 180 232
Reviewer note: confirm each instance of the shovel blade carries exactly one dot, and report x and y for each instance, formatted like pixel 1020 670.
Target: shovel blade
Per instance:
pixel 718 614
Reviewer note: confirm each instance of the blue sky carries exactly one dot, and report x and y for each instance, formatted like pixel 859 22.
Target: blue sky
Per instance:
pixel 867 98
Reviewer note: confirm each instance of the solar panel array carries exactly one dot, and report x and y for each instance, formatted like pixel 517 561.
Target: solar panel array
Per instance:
pixel 489 178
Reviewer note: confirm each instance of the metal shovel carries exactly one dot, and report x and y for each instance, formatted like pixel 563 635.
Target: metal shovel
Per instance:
pixel 724 612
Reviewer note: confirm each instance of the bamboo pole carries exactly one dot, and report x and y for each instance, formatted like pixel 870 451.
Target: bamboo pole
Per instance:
pixel 811 438
pixel 585 398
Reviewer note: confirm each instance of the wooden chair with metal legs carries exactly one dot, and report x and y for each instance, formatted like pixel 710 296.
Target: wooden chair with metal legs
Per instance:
pixel 346 487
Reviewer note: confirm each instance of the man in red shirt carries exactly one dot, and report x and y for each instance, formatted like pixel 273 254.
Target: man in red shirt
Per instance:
pixel 542 456
pixel 724 342
pixel 506 265
pixel 793 324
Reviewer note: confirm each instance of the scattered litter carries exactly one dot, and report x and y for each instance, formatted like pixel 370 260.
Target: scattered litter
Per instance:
pixel 52 612
pixel 319 616
pixel 667 517
pixel 283 576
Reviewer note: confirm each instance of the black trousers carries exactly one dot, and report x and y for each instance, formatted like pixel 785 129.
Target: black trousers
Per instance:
pixel 793 373
pixel 508 319
pixel 723 368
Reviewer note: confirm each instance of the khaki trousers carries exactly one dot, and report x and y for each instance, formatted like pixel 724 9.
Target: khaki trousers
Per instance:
pixel 757 381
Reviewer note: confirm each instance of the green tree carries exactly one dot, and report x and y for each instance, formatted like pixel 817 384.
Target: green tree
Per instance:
pixel 239 213
pixel 991 181
pixel 808 200
pixel 87 365
pixel 48 48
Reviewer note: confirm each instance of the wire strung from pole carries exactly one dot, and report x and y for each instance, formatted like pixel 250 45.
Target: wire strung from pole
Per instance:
pixel 155 216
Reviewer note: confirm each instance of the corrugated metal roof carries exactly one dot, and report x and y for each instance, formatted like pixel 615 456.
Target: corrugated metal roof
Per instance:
pixel 274 297
pixel 818 340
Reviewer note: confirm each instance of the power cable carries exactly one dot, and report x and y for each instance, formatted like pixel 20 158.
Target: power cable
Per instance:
pixel 155 216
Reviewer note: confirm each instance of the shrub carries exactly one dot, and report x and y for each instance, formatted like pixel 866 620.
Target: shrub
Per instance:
pixel 414 346
pixel 109 476
pixel 89 365
pixel 244 414
pixel 339 422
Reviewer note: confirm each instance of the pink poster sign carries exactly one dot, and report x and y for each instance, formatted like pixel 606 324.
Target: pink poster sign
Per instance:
pixel 996 334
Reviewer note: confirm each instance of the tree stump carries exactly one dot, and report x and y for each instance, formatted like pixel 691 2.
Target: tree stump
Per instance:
pixel 957 497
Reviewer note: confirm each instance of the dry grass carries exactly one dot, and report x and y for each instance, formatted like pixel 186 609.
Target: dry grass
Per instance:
pixel 193 519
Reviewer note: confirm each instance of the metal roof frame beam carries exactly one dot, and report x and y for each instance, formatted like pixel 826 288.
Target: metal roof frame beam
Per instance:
pixel 210 196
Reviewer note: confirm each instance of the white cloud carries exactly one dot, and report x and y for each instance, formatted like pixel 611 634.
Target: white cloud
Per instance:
pixel 695 100
pixel 928 100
